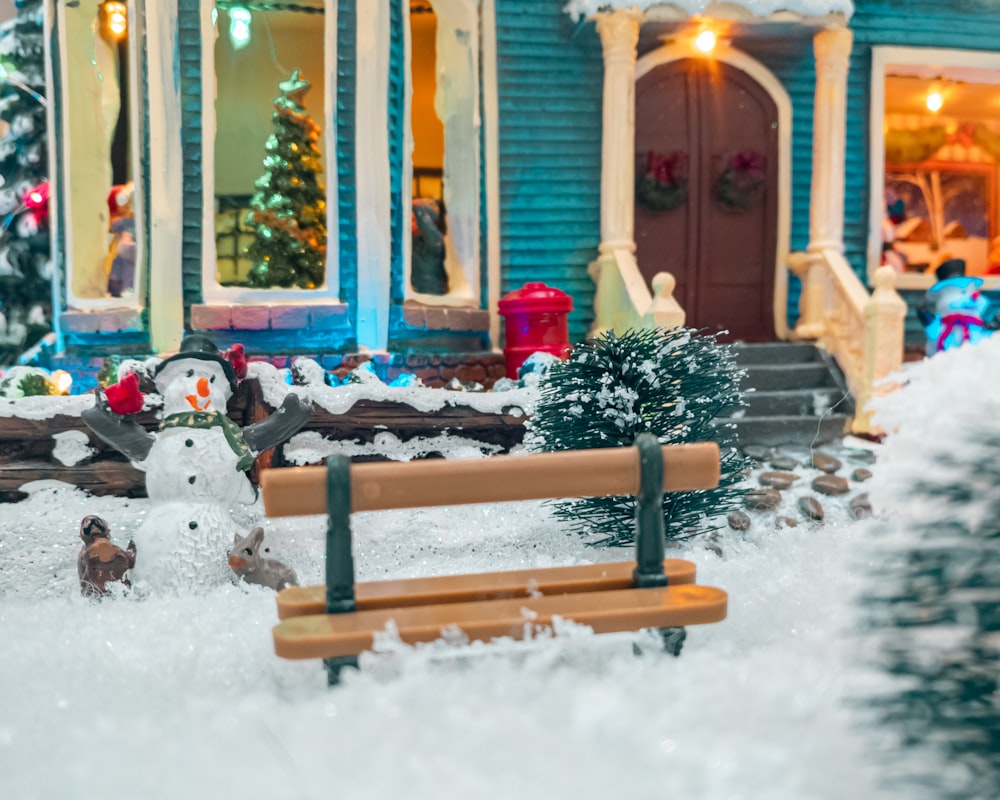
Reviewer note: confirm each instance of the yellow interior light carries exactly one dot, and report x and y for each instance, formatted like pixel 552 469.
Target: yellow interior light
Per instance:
pixel 114 20
pixel 934 101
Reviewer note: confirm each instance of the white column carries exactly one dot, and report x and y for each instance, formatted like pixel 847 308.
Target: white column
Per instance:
pixel 374 219
pixel 826 213
pixel 619 32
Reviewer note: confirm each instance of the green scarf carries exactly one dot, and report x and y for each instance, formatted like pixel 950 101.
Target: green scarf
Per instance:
pixel 213 419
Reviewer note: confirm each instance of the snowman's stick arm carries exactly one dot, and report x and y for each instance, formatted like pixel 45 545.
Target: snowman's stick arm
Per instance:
pixel 281 425
pixel 120 432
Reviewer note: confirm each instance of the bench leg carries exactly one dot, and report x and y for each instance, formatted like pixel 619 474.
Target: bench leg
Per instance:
pixel 672 640
pixel 649 515
pixel 335 665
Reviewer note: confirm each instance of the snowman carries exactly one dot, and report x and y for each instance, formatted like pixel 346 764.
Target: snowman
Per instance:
pixel 195 466
pixel 955 311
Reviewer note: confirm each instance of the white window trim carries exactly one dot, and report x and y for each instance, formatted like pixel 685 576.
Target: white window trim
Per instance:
pixel 214 293
pixel 99 216
pixel 462 164
pixel 882 59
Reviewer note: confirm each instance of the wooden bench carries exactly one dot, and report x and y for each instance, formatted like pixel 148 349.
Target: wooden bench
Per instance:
pixel 338 621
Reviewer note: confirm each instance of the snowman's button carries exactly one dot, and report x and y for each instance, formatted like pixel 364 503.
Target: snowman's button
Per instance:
pixel 190 478
pixel 188 443
pixel 193 525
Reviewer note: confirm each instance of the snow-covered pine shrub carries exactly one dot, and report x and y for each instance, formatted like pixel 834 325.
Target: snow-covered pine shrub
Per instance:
pixel 670 382
pixel 933 603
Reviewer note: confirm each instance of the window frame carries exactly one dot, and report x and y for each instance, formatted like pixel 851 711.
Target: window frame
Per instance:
pixel 70 220
pixel 884 58
pixel 214 293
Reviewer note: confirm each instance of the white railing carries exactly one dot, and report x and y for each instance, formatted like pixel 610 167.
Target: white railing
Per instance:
pixel 863 332
pixel 623 300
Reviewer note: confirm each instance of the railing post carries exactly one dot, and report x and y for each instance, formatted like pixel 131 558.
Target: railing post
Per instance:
pixel 882 348
pixel 649 515
pixel 814 300
pixel 665 311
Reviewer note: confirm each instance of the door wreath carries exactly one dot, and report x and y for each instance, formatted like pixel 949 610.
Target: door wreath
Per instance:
pixel 741 182
pixel 663 185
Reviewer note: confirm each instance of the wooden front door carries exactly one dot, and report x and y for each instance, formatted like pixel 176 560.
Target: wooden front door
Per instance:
pixel 706 144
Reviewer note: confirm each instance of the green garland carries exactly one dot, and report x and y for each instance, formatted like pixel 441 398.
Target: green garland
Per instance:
pixel 741 182
pixel 663 185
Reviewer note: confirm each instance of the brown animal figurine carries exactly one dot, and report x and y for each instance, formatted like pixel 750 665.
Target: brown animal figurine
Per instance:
pixel 101 561
pixel 246 559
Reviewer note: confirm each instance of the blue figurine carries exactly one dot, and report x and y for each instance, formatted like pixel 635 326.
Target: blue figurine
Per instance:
pixel 955 310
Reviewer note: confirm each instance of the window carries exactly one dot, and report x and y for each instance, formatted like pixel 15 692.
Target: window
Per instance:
pixel 445 127
pixel 269 152
pixel 935 157
pixel 100 180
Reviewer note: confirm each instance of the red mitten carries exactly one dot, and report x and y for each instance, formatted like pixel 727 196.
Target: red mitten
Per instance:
pixel 124 397
pixel 237 357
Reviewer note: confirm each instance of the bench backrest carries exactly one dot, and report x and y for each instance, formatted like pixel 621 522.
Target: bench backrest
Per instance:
pixel 644 470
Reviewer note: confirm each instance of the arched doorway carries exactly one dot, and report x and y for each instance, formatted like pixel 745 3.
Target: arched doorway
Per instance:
pixel 707 192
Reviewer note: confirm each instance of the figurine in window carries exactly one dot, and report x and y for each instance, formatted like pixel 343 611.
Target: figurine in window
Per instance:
pixel 428 227
pixel 895 214
pixel 954 310
pixel 120 264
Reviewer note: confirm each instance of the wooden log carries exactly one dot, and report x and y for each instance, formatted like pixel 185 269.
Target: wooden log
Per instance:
pixel 105 477
pixel 572 473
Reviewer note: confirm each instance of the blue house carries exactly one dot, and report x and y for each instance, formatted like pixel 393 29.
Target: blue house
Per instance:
pixel 746 149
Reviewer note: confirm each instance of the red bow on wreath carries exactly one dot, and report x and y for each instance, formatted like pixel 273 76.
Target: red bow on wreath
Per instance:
pixel 666 168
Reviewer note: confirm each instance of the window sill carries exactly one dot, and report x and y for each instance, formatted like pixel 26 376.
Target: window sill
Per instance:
pixel 283 317
pixel 445 318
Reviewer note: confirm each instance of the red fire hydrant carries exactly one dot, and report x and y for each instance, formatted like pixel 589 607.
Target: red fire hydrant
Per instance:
pixel 536 317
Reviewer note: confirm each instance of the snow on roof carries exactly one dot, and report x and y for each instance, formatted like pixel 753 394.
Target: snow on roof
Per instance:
pixel 733 9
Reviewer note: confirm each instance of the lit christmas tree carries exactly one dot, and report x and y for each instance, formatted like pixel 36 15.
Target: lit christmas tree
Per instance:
pixel 25 266
pixel 670 382
pixel 289 207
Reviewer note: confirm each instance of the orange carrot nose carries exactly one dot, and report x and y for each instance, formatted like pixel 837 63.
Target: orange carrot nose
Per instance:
pixel 202 387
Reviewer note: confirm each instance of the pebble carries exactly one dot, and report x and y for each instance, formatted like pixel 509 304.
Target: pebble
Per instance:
pixel 762 499
pixel 777 480
pixel 757 452
pixel 826 463
pixel 783 462
pixel 861 456
pixel 831 484
pixel 861 507
pixel 786 522
pixel 738 521
pixel 811 508
pixel 861 474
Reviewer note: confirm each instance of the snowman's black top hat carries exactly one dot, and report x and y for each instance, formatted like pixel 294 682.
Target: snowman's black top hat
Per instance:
pixel 200 347
pixel 952 268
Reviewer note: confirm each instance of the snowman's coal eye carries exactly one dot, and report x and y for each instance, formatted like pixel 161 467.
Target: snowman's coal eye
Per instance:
pixel 248 551
pixel 212 379
pixel 190 373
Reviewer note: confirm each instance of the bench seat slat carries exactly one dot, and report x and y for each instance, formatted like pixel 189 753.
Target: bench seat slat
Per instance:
pixel 297 601
pixel 333 635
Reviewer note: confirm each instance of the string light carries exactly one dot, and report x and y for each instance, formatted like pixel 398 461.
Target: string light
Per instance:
pixel 934 101
pixel 113 17
pixel 706 41
pixel 239 27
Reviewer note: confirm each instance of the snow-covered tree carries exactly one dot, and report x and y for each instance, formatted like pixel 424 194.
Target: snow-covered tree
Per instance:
pixel 25 288
pixel 673 383
pixel 934 602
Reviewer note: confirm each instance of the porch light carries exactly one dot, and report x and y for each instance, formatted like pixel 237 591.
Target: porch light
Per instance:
pixel 239 27
pixel 934 101
pixel 113 20
pixel 706 41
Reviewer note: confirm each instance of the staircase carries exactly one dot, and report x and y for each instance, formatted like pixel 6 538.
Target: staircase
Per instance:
pixel 794 393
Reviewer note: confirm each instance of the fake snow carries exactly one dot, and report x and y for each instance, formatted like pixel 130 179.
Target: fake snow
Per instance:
pixel 578 9
pixel 71 447
pixel 183 696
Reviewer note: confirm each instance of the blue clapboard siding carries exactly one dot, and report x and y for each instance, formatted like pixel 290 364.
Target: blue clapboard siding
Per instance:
pixel 347 196
pixel 549 84
pixel 192 221
pixel 952 24
pixel 396 100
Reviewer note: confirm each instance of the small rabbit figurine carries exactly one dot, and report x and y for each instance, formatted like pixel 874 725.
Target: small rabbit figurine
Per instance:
pixel 246 559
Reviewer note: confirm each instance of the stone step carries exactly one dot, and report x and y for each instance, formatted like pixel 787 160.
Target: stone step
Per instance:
pixel 813 402
pixel 788 429
pixel 775 377
pixel 776 353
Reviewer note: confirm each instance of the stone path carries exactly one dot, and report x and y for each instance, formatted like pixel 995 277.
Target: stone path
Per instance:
pixel 798 486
